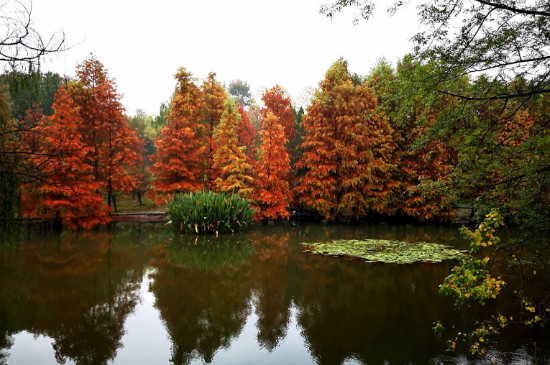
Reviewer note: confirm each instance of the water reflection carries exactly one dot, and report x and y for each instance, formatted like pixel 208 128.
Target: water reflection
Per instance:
pixel 252 296
pixel 202 298
pixel 74 288
pixel 272 299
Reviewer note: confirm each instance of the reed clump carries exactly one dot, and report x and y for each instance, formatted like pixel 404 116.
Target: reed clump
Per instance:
pixel 209 212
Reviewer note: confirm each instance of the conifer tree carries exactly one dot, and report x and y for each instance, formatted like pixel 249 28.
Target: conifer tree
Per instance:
pixel 178 159
pixel 347 149
pixel 246 134
pixel 229 158
pixel 272 193
pixel 214 97
pixel 115 146
pixel 67 189
pixel 277 102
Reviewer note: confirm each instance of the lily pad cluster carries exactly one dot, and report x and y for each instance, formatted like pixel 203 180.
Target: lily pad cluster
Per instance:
pixel 394 252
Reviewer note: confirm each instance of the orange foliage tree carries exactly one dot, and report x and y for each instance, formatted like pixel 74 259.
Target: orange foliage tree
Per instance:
pixel 346 150
pixel 277 102
pixel 272 190
pixel 67 188
pixel 214 97
pixel 115 146
pixel 229 158
pixel 178 160
pixel 246 134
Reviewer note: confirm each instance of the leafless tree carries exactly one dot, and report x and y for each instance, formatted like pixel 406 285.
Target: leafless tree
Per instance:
pixel 21 45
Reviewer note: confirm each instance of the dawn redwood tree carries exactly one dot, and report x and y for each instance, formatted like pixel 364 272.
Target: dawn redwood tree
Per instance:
pixel 272 194
pixel 115 146
pixel 277 102
pixel 67 188
pixel 229 159
pixel 214 97
pixel 346 150
pixel 178 160
pixel 246 134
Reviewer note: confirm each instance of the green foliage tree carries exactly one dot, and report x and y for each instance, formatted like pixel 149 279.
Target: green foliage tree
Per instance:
pixel 144 126
pixel 240 91
pixel 161 119
pixel 9 184
pixel 509 38
pixel 411 114
pixel 21 47
pixel 29 89
pixel 497 122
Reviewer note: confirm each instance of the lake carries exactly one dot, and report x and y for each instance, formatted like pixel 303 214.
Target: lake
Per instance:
pixel 139 294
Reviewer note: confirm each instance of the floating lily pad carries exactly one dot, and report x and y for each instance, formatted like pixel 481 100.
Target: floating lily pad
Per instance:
pixel 395 252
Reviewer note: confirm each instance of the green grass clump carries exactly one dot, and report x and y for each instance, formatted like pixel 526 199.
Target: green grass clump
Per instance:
pixel 208 212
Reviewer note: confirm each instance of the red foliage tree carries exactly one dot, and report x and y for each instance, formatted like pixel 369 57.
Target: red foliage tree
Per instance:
pixel 246 134
pixel 67 188
pixel 229 158
pixel 347 150
pixel 115 146
pixel 277 102
pixel 178 160
pixel 214 97
pixel 272 193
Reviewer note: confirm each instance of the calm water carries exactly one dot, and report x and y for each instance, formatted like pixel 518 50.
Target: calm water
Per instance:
pixel 136 294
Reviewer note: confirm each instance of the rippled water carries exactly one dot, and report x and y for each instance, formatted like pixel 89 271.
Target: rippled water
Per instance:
pixel 137 294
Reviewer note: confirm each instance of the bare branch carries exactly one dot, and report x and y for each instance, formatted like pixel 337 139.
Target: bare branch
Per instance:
pixel 514 9
pixel 496 97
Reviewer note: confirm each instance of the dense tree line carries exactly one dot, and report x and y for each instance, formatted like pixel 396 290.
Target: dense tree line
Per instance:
pixel 365 146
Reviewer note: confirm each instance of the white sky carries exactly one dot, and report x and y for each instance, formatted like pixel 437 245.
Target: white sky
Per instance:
pixel 287 42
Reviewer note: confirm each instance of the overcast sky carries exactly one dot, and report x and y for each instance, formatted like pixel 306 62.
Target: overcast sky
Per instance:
pixel 287 42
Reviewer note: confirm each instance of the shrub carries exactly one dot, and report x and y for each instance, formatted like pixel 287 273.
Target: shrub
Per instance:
pixel 208 212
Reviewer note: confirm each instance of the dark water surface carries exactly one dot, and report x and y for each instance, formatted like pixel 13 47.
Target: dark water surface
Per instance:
pixel 137 294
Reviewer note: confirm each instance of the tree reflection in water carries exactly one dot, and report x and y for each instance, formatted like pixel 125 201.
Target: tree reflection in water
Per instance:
pixel 79 288
pixel 273 300
pixel 202 289
pixel 76 288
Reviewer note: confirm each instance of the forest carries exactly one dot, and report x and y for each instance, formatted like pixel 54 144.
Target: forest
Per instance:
pixel 367 146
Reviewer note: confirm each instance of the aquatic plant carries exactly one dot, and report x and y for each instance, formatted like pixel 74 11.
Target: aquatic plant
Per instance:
pixel 208 212
pixel 395 252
